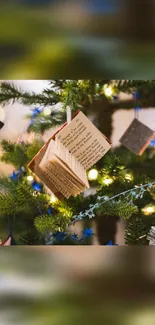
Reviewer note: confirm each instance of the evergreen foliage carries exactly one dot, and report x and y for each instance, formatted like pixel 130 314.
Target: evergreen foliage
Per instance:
pixel 136 231
pixel 19 154
pixel 120 208
pixel 9 94
pixel 28 208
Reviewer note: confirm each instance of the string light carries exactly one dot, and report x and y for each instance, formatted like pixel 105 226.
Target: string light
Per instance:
pixel 93 174
pixel 148 210
pixel 108 181
pixel 47 111
pixel 30 178
pixel 129 177
pixel 53 199
pixel 108 91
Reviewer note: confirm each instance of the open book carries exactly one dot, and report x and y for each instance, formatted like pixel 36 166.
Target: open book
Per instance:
pixel 63 162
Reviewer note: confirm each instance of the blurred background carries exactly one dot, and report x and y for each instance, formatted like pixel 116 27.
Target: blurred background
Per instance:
pixel 43 39
pixel 72 285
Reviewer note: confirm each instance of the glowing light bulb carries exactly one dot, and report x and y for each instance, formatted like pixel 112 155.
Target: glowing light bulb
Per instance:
pixel 108 181
pixel 47 111
pixel 93 174
pixel 53 198
pixel 30 178
pixel 108 91
pixel 148 210
pixel 129 177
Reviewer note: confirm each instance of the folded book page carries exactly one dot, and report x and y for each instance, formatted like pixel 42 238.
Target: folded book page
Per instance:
pixel 66 160
pixel 84 141
pixel 44 177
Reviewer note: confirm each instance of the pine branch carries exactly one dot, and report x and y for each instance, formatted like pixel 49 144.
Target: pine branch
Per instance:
pixel 14 153
pixel 9 93
pixel 145 88
pixel 32 149
pixel 56 84
pixel 46 223
pixel 75 92
pixel 43 123
pixel 19 154
pixel 20 198
pixel 121 208
pixel 136 232
pixel 31 237
pixel 129 86
pixel 6 184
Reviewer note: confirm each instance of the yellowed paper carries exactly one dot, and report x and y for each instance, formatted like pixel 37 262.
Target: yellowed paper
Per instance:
pixel 68 181
pixel 64 181
pixel 44 178
pixel 70 163
pixel 52 174
pixel 84 141
pixel 71 176
pixel 76 148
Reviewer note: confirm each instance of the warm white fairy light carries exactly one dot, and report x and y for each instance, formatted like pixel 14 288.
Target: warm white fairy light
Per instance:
pixel 148 210
pixel 30 178
pixel 108 181
pixel 93 174
pixel 53 199
pixel 129 177
pixel 108 91
pixel 47 111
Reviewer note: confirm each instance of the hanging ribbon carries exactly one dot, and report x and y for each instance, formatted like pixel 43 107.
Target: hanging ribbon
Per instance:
pixel 137 108
pixel 69 115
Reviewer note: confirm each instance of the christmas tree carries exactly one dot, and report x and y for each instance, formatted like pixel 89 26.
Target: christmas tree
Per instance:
pixel 124 182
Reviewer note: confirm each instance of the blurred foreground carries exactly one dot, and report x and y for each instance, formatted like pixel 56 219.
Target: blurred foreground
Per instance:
pixel 74 285
pixel 44 39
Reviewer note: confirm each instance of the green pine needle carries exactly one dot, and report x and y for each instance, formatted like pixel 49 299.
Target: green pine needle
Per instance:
pixel 121 208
